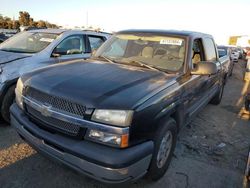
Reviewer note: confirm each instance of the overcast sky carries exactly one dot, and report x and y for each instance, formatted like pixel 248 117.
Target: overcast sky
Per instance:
pixel 220 18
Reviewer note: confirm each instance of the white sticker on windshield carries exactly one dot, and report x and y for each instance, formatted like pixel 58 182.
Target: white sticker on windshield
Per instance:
pixel 170 41
pixel 46 40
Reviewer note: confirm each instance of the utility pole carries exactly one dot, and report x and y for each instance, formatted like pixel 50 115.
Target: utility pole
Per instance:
pixel 87 20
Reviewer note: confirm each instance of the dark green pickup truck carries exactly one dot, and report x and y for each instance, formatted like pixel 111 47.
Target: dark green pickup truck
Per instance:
pixel 116 116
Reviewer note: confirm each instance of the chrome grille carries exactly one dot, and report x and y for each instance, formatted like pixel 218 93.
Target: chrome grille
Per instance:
pixel 55 102
pixel 52 123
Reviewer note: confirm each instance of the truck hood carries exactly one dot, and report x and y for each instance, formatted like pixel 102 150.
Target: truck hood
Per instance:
pixel 98 84
pixel 7 57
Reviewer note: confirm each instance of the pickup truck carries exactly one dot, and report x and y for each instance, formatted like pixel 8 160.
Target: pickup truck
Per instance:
pixel 115 117
pixel 225 58
pixel 34 49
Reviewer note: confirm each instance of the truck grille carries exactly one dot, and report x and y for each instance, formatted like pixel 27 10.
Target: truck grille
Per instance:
pixel 52 123
pixel 56 102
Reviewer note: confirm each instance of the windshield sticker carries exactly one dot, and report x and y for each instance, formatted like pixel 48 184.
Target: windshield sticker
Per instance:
pixel 177 42
pixel 46 40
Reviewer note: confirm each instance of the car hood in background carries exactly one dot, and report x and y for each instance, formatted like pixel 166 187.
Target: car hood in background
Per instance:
pixel 7 57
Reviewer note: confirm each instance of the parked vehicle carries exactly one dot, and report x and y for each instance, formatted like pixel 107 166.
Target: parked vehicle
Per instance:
pixel 241 52
pixel 8 32
pixel 235 56
pixel 224 55
pixel 34 49
pixel 28 28
pixel 115 117
pixel 3 37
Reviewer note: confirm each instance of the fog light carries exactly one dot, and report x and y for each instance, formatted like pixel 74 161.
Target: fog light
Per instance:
pixel 109 138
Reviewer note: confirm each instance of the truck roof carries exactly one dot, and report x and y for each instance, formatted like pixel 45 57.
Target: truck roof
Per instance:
pixel 166 32
pixel 60 31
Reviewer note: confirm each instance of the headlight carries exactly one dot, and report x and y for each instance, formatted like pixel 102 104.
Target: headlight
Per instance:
pixel 108 138
pixel 19 93
pixel 121 118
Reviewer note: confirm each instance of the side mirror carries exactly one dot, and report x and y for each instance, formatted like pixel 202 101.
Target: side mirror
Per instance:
pixel 93 52
pixel 56 55
pixel 205 68
pixel 73 51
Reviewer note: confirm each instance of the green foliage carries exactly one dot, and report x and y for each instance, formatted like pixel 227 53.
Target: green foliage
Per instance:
pixel 24 20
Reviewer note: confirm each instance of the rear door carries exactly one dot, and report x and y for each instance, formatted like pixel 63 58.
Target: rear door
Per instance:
pixel 197 85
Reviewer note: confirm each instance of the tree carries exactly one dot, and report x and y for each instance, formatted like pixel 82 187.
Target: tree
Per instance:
pixel 41 23
pixel 16 24
pixel 32 23
pixel 24 18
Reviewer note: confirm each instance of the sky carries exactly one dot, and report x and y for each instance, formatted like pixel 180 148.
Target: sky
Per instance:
pixel 221 18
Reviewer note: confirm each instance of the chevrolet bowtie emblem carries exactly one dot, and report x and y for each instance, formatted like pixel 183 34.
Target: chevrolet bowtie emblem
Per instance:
pixel 45 110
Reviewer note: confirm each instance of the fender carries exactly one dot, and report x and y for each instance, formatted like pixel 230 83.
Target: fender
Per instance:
pixel 175 111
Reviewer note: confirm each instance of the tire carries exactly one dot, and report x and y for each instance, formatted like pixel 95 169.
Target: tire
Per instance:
pixel 218 96
pixel 231 71
pixel 7 102
pixel 158 167
pixel 247 102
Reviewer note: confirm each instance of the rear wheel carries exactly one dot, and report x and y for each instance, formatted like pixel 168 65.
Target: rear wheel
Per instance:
pixel 7 102
pixel 247 102
pixel 164 142
pixel 231 70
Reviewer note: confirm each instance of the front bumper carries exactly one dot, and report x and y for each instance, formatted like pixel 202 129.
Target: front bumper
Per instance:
pixel 103 163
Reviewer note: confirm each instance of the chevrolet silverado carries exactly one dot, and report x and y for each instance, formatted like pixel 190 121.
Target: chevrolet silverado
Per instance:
pixel 116 116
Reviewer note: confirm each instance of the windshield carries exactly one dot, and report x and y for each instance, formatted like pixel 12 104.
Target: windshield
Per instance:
pixel 162 52
pixel 28 42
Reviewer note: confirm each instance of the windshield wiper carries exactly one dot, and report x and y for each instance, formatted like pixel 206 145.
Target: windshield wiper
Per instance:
pixel 107 59
pixel 144 65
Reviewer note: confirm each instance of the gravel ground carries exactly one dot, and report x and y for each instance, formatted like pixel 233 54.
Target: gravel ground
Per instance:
pixel 211 151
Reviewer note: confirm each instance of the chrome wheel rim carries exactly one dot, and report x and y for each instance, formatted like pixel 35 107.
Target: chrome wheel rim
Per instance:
pixel 164 150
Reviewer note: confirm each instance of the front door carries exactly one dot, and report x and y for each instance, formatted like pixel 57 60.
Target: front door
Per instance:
pixel 71 48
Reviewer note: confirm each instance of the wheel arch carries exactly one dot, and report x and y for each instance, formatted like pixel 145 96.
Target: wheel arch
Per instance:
pixel 6 87
pixel 176 113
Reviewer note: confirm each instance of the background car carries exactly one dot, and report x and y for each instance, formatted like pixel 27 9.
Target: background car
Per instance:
pixel 225 53
pixel 3 37
pixel 235 56
pixel 35 49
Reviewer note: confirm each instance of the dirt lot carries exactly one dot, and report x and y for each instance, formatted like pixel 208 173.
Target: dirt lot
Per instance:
pixel 211 151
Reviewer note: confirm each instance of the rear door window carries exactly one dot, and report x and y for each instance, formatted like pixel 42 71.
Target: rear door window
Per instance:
pixel 95 42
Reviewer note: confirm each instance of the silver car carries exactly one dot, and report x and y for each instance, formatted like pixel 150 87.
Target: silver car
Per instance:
pixel 34 49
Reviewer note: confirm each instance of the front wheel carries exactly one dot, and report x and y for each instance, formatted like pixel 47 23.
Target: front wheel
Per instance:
pixel 7 102
pixel 164 142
